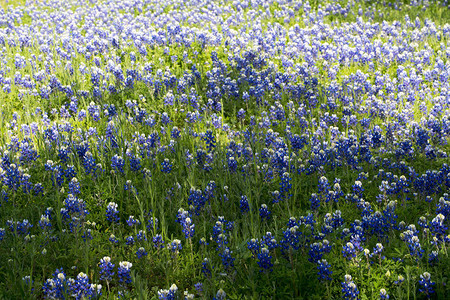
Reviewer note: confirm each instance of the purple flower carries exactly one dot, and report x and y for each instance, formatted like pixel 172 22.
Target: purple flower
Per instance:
pixel 124 272
pixel 112 213
pixel 265 260
pixel 383 294
pixel 264 212
pixel 141 252
pixel 243 204
pixel 426 285
pixel 106 269
pixel 324 270
pixel 349 288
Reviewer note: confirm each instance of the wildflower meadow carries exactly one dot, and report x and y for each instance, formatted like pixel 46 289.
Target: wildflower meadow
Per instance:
pixel 219 149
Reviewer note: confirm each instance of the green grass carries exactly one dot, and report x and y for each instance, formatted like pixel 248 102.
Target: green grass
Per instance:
pixel 162 195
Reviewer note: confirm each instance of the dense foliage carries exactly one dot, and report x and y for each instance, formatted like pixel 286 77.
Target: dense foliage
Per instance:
pixel 224 149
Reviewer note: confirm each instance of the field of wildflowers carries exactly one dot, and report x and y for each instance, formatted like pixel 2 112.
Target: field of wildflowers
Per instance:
pixel 181 149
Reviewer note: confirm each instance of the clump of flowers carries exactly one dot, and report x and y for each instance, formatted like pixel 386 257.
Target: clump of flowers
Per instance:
pixel 349 288
pixel 124 272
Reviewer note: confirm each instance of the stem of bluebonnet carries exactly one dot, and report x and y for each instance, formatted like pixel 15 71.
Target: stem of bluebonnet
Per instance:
pixel 192 251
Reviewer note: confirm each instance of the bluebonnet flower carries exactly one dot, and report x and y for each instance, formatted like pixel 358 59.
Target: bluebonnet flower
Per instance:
pixel 349 288
pixel 291 238
pixel 298 142
pixel 276 197
pixel 169 294
pixel 188 228
pixel 198 287
pixel 3 197
pixel 81 288
pixel 132 221
pixel 220 233
pixel 232 163
pixel 21 228
pixel 349 251
pixel 324 270
pixel 112 213
pixel 433 258
pixel 241 114
pixel 94 110
pixel 175 247
pixel 135 161
pixel 377 251
pixel 210 140
pixel 129 240
pixel 152 224
pixel 110 110
pixel 106 269
pixel 7 89
pixel 209 190
pixel 184 218
pixel 141 236
pixel 175 134
pixel 315 201
pixel 438 227
pixel 158 242
pixel 323 186
pixel 38 189
pixel 74 186
pixel 376 223
pixel 269 241
pixel 165 119
pixel 82 115
pixel 413 242
pixel 2 233
pixel 220 295
pixel 57 286
pixel 316 250
pixel 426 285
pixel 169 99
pixel 358 188
pixel 264 212
pixel 63 154
pixel 227 259
pixel 87 235
pixel 443 207
pixel 117 163
pixel 166 166
pixel 28 282
pixel 285 186
pixel 265 260
pixel 383 294
pixel 141 252
pixel 203 242
pixel 89 163
pixel 423 222
pixel 124 272
pixel 200 158
pixel 113 239
pixel 357 239
pixel 253 246
pixel 243 204
pixel 128 186
pixel 205 268
pixel 197 199
pixel 44 222
pixel 26 184
pixel 337 220
pixel 95 290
